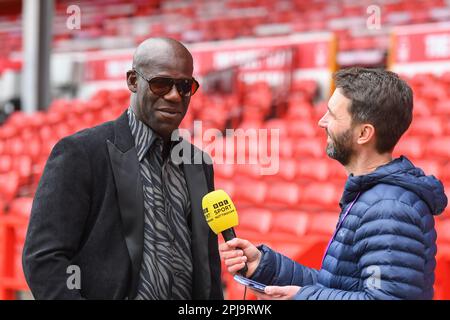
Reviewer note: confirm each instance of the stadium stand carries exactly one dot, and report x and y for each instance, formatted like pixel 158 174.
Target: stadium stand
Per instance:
pixel 294 211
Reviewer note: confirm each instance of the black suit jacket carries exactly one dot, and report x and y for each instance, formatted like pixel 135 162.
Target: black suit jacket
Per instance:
pixel 88 211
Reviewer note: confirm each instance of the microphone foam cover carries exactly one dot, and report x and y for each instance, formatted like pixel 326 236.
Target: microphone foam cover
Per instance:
pixel 219 211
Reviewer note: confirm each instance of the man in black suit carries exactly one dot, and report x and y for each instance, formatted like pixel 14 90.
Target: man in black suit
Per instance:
pixel 114 206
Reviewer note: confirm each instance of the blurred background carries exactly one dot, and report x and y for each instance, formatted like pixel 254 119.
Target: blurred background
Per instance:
pixel 260 63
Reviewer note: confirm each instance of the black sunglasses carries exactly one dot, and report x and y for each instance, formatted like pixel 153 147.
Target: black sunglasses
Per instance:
pixel 162 85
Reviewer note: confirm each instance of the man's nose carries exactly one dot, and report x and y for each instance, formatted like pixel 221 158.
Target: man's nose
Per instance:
pixel 323 123
pixel 173 95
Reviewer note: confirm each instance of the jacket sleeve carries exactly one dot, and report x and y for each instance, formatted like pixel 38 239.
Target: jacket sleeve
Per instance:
pixel 214 258
pixel 59 212
pixel 391 249
pixel 276 269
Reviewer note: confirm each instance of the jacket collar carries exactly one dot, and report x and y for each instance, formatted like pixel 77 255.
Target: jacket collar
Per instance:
pixel 356 184
pixel 126 171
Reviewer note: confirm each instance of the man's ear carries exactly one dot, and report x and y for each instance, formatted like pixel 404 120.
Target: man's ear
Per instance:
pixel 366 133
pixel 132 81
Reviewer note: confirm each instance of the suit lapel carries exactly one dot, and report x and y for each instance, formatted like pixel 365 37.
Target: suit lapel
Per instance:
pixel 197 186
pixel 126 170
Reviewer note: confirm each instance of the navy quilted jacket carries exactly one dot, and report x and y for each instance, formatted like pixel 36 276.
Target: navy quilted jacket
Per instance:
pixel 384 249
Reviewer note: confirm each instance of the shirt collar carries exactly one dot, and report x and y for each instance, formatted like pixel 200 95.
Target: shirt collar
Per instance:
pixel 144 136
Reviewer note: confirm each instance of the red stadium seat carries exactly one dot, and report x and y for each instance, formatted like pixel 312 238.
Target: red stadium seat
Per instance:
pixel 320 195
pixel 285 194
pixel 442 272
pixel 225 171
pixel 251 124
pixel 309 148
pixel 226 185
pixel 447 128
pixel 250 192
pixel 37 171
pixel 429 167
pixel 5 163
pixel 34 147
pixel 290 224
pixel 278 124
pixel 19 120
pixel 322 223
pixel 9 186
pixel 286 148
pixel 253 223
pixel 439 148
pixel 252 171
pixel 298 129
pixel 54 118
pixel 252 115
pixel 45 132
pixel 445 174
pixel 426 127
pixel 18 269
pixel 89 119
pixel 287 170
pixel 442 108
pixel 245 147
pixel 307 87
pixel 21 207
pixel 299 109
pixel 313 169
pixel 434 93
pixel 22 165
pixel 16 146
pixel 412 147
pixel 7 132
pixel 38 119
pixel 47 146
pixel 421 108
pixel 337 172
pixel 443 231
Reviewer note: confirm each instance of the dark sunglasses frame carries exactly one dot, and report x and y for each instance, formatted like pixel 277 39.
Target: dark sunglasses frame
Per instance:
pixel 177 82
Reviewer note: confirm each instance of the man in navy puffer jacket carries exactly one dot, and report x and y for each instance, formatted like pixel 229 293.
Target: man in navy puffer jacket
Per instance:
pixel 385 243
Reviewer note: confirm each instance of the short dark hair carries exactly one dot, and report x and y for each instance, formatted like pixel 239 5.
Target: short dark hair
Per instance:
pixel 378 97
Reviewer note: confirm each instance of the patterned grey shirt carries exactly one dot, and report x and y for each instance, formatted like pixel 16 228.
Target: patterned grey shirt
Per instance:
pixel 166 271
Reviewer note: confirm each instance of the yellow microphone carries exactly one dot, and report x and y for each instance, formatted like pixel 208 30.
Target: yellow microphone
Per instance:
pixel 221 215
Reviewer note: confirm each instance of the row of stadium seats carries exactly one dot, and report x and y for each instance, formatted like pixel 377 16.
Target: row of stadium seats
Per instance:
pixel 123 23
pixel 293 195
pixel 26 140
pixel 296 138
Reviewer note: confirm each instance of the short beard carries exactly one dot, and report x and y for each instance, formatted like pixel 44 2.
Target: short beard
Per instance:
pixel 340 147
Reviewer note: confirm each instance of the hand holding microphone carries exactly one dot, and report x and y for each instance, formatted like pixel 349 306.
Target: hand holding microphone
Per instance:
pixel 239 255
pixel 239 252
pixel 221 215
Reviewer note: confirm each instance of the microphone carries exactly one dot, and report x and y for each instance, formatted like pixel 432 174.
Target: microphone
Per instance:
pixel 221 216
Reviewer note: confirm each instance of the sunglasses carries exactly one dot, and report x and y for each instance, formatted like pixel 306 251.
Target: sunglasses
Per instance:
pixel 161 86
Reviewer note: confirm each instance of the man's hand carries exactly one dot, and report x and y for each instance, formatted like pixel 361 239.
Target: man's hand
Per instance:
pixel 277 293
pixel 237 252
